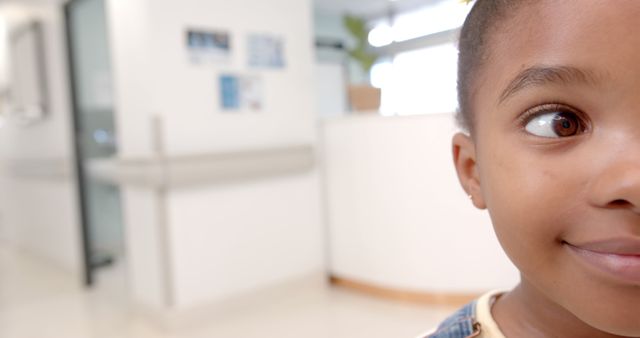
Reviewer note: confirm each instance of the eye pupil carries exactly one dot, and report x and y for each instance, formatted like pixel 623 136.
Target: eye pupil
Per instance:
pixel 565 124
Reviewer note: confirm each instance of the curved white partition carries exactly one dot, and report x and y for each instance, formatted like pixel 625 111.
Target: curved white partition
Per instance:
pixel 397 216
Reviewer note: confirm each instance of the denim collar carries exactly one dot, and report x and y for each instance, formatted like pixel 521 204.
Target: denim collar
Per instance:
pixel 461 324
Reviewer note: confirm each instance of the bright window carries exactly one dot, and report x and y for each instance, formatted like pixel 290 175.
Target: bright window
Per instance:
pixel 442 16
pixel 419 81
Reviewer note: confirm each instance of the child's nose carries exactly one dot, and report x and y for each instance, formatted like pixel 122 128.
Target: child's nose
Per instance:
pixel 618 185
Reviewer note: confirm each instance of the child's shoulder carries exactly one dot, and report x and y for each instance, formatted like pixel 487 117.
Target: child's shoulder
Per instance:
pixel 472 320
pixel 461 324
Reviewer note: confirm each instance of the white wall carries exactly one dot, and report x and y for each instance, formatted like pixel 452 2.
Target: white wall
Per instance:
pixel 225 239
pixel 187 95
pixel 237 238
pixel 147 267
pixel 397 215
pixel 330 90
pixel 132 68
pixel 4 45
pixel 38 201
pixel 132 64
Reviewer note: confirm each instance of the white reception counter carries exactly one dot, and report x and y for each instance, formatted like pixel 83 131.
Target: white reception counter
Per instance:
pixel 397 217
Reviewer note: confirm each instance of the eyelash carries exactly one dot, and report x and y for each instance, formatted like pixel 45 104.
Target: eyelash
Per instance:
pixel 547 108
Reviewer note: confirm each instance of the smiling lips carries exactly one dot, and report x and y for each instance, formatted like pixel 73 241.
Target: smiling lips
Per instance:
pixel 618 258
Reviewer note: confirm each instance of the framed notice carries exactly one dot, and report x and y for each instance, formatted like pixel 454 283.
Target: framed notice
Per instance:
pixel 208 46
pixel 241 93
pixel 266 51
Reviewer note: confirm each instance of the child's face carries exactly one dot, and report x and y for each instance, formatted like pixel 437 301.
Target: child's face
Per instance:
pixel 556 154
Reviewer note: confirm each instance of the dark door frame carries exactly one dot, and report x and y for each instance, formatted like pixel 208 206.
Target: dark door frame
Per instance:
pixel 80 170
pixel 90 261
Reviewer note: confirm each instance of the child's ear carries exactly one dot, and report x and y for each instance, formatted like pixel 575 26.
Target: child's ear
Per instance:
pixel 464 158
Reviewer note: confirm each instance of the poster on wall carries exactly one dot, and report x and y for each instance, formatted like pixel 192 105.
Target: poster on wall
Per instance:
pixel 266 51
pixel 208 46
pixel 241 93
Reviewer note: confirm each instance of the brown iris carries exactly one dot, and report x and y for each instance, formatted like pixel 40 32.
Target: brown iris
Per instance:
pixel 566 124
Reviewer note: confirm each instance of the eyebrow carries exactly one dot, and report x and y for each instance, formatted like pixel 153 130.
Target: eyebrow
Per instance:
pixel 541 75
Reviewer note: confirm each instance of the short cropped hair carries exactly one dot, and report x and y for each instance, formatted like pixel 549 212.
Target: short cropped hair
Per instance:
pixel 474 51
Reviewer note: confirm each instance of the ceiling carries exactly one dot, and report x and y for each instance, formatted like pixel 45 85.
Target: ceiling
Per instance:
pixel 370 8
pixel 365 8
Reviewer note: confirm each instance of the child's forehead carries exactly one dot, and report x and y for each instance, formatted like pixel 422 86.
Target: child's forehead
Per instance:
pixel 591 42
pixel 557 25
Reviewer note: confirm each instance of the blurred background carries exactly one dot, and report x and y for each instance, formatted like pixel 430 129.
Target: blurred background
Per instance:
pixel 208 168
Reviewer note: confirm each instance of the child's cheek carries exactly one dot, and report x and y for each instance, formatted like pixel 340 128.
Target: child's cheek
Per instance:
pixel 530 203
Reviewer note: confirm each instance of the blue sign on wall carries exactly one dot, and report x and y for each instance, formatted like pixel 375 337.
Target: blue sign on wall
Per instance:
pixel 230 92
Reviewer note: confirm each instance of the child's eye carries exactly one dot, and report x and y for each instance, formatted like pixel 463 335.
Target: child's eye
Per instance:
pixel 555 123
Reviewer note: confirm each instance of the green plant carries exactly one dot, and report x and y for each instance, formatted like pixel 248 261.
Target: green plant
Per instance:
pixel 361 52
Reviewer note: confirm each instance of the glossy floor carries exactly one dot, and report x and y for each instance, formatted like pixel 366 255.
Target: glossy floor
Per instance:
pixel 38 301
